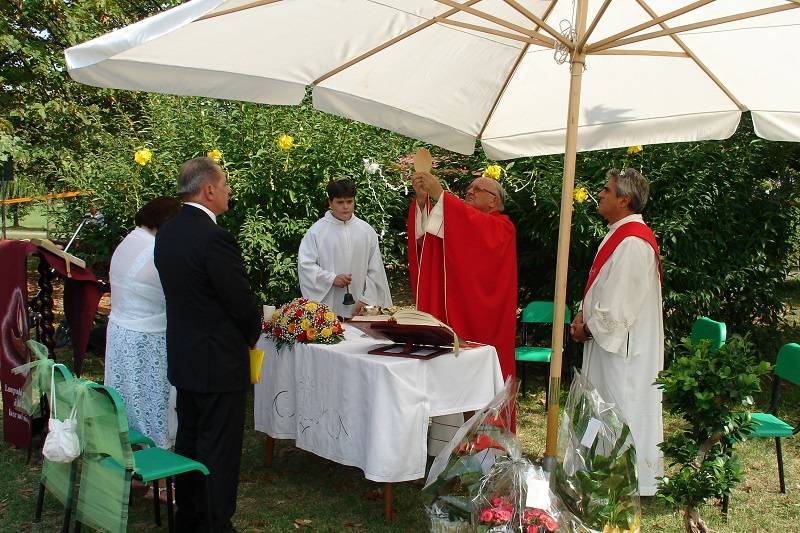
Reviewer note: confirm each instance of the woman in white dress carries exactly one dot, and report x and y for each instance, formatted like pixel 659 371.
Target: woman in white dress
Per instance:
pixel 136 350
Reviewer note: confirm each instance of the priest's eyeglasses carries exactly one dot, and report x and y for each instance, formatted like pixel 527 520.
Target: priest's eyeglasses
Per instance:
pixel 476 189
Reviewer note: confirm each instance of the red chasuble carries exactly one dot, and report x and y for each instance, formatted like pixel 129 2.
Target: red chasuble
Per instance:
pixel 469 278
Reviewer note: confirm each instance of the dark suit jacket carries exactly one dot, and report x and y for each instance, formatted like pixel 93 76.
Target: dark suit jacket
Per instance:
pixel 212 315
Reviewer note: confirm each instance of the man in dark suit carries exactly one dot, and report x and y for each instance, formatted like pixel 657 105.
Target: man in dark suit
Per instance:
pixel 212 320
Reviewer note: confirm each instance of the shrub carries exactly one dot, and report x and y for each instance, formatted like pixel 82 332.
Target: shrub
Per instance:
pixel 712 391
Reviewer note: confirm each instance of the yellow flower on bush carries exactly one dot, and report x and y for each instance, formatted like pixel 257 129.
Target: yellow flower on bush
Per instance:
pixel 143 156
pixel 493 171
pixel 326 332
pixel 276 315
pixel 580 195
pixel 305 324
pixel 635 149
pixel 215 154
pixel 284 142
pixel 311 334
pixel 329 316
pixel 311 306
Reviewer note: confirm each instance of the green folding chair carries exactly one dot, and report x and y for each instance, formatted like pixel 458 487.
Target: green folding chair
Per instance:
pixel 768 425
pixel 59 478
pixel 537 312
pixel 706 329
pixel 109 464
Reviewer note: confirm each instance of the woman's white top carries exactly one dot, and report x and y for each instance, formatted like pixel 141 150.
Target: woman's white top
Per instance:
pixel 137 299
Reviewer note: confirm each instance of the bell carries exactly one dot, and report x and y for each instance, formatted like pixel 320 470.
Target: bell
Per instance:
pixel 348 298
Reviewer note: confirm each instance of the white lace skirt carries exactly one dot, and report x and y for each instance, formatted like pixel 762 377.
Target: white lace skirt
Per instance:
pixel 136 367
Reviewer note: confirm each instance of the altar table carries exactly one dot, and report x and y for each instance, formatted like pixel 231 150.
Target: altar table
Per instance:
pixel 369 411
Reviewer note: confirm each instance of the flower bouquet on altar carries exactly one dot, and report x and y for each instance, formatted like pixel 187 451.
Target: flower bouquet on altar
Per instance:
pixel 596 476
pixel 457 472
pixel 303 320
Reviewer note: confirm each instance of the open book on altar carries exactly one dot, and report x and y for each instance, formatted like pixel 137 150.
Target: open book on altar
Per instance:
pixel 416 333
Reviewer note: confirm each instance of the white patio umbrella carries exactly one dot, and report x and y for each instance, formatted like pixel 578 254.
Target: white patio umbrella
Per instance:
pixel 525 77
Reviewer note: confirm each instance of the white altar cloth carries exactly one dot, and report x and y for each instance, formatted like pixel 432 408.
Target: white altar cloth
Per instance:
pixel 368 411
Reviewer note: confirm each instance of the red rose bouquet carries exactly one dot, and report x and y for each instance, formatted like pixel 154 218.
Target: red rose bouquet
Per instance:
pixel 303 320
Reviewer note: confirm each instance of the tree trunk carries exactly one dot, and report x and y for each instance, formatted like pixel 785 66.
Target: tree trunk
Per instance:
pixel 692 521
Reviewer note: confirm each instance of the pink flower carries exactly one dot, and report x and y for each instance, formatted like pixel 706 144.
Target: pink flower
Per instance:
pixel 486 516
pixel 549 522
pixel 533 529
pixel 503 515
pixel 497 501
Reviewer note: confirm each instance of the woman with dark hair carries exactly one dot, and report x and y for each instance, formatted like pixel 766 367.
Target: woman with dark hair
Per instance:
pixel 136 350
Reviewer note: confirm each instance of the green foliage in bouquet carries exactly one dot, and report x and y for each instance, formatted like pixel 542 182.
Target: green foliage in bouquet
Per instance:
pixel 604 494
pixel 712 390
pixel 456 486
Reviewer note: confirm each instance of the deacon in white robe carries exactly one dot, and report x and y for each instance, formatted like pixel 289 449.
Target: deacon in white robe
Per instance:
pixel 621 322
pixel 339 253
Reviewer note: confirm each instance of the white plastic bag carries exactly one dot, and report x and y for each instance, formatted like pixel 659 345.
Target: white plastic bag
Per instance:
pixel 61 444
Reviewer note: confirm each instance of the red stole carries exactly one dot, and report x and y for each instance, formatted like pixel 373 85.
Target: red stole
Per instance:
pixel 469 278
pixel 629 229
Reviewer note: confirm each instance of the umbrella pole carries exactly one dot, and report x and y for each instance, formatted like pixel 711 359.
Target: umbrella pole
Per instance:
pixel 564 229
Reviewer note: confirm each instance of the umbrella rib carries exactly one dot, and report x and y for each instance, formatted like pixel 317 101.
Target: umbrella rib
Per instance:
pixel 643 26
pixel 695 25
pixel 696 59
pixel 511 73
pixel 251 5
pixel 390 42
pixel 656 53
pixel 510 25
pixel 600 12
pixel 540 23
pixel 541 41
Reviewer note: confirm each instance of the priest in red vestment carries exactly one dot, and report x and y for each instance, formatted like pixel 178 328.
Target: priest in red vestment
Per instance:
pixel 462 259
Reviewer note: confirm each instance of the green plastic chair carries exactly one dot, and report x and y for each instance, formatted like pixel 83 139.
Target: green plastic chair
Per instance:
pixel 706 329
pixel 59 478
pixel 109 464
pixel 768 425
pixel 537 312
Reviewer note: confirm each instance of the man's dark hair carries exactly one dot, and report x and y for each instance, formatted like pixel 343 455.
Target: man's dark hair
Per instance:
pixel 194 174
pixel 157 211
pixel 341 188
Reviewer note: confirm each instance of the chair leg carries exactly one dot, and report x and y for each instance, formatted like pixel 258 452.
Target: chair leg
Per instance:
pixel 73 473
pixel 170 511
pixel 39 503
pixel 524 377
pixel 208 504
pixel 156 506
pixel 779 453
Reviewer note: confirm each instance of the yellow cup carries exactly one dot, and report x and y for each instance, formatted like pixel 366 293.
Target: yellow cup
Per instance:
pixel 256 359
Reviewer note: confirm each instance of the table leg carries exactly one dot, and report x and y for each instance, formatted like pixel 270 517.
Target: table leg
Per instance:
pixel 388 514
pixel 269 447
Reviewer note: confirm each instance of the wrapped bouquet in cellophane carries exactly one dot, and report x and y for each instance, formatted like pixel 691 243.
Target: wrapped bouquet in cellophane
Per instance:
pixel 596 477
pixel 455 476
pixel 515 498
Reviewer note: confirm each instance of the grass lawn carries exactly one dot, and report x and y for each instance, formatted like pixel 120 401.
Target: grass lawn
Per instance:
pixel 302 491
